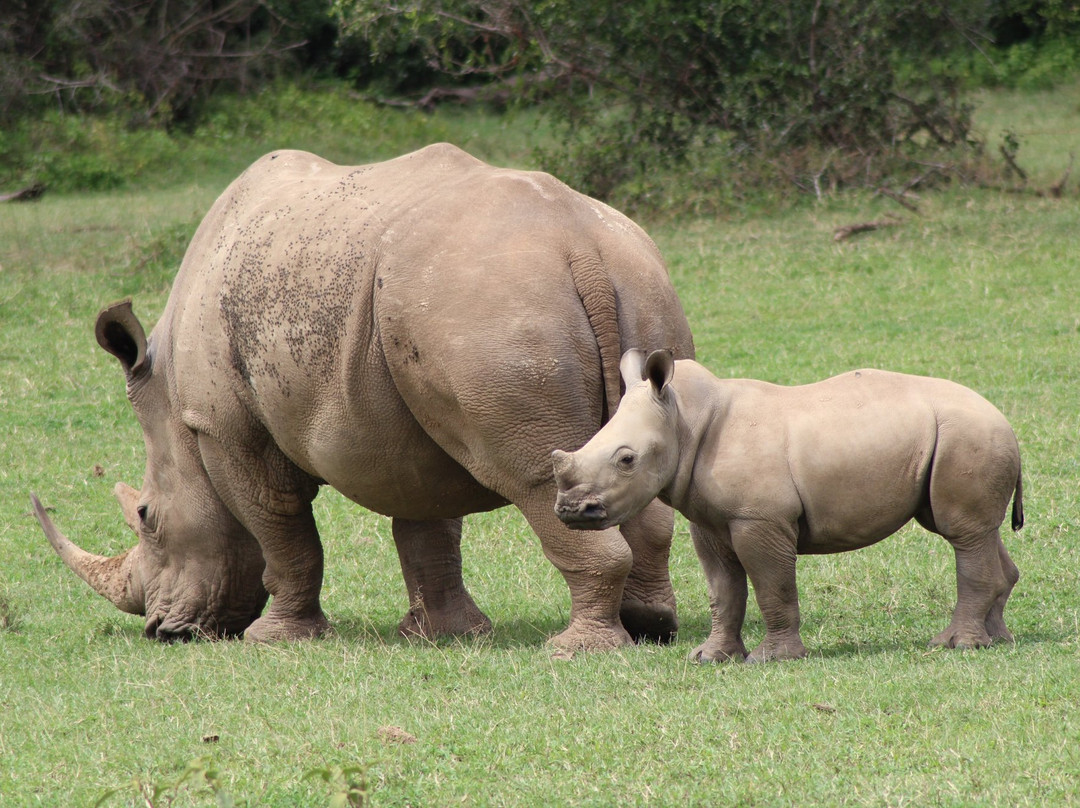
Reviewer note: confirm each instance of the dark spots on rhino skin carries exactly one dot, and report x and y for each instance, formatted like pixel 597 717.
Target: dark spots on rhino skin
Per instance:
pixel 287 288
pixel 238 363
pixel 378 282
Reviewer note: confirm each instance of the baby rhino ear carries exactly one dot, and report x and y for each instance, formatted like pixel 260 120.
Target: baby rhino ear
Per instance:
pixel 659 368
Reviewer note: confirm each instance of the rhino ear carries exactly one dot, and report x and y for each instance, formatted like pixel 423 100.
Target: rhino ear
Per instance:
pixel 632 367
pixel 659 368
pixel 120 333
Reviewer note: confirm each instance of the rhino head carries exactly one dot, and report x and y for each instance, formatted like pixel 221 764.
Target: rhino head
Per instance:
pixel 195 571
pixel 632 459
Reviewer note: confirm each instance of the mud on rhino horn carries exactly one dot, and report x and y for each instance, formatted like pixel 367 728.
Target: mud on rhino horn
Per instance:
pixel 112 578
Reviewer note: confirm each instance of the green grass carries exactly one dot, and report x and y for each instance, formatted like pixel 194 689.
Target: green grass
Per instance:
pixel 980 287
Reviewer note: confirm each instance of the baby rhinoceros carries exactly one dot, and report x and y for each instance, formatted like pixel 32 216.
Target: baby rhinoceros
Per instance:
pixel 765 473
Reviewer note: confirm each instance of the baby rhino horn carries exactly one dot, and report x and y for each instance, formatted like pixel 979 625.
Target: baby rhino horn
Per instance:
pixel 109 577
pixel 563 463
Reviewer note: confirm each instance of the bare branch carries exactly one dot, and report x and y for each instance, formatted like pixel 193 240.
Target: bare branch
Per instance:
pixel 842 233
pixel 1058 188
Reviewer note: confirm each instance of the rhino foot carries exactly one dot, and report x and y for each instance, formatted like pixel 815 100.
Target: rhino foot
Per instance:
pixel 581 636
pixel 463 622
pixel 996 628
pixel 649 622
pixel 274 628
pixel 719 652
pixel 774 650
pixel 973 636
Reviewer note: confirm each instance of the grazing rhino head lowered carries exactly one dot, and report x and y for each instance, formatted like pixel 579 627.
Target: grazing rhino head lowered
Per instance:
pixel 418 334
pixel 195 568
pixel 765 473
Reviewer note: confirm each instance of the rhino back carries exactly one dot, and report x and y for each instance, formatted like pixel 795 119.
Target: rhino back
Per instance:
pixel 850 456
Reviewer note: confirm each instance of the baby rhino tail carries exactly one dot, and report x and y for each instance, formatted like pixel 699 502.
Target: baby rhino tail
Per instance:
pixel 1018 503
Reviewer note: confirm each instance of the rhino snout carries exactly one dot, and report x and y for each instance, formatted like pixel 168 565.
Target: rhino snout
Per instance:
pixel 166 630
pixel 582 512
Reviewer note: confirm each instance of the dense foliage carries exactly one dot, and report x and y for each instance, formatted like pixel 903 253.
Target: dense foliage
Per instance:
pixel 817 95
pixel 153 59
pixel 829 92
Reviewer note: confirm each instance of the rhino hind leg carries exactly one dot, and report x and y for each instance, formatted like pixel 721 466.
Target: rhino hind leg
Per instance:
pixel 985 576
pixel 595 571
pixel 648 608
pixel 995 619
pixel 439 603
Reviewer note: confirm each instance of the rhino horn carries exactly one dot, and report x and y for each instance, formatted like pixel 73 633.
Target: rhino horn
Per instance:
pixel 563 465
pixel 112 578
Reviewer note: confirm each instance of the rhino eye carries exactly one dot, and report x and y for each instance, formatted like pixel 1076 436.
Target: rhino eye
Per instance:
pixel 147 520
pixel 625 460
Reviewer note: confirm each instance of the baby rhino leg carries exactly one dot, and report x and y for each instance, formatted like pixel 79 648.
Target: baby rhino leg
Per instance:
pixel 726 580
pixel 985 576
pixel 768 552
pixel 995 620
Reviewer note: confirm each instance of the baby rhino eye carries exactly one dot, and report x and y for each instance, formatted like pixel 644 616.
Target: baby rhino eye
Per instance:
pixel 626 459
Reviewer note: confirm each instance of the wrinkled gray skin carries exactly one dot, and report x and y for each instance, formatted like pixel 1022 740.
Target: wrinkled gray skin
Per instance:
pixel 765 473
pixel 418 334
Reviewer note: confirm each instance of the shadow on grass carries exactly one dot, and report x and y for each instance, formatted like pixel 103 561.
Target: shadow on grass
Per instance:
pixel 523 633
pixel 515 633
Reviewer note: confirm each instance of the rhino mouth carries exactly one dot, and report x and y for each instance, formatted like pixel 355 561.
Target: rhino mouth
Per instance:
pixel 588 513
pixel 174 630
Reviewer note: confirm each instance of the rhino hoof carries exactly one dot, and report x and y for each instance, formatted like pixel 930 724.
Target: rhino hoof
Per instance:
pixel 704 654
pixel 419 622
pixel 594 638
pixel 270 628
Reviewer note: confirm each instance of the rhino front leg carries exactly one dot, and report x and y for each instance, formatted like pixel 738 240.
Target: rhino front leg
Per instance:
pixel 439 604
pixel 768 553
pixel 648 603
pixel 272 499
pixel 726 580
pixel 595 565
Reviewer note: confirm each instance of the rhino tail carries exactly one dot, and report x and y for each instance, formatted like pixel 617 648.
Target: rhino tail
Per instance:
pixel 597 294
pixel 1018 502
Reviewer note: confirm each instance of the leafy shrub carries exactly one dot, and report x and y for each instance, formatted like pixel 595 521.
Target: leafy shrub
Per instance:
pixel 635 86
pixel 154 60
pixel 66 152
pixel 87 153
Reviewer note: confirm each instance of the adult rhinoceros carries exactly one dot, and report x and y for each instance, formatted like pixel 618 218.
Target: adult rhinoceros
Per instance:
pixel 419 334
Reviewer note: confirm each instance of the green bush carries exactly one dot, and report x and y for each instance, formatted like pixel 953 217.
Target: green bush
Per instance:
pixel 1034 64
pixel 635 86
pixel 65 152
pixel 80 153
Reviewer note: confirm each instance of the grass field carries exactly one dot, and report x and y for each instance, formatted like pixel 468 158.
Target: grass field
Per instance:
pixel 978 286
